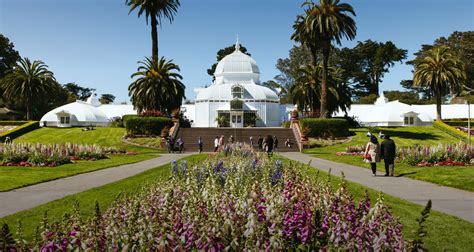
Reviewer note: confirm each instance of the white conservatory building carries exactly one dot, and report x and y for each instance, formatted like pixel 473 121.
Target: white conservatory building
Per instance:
pixel 237 96
pixel 85 113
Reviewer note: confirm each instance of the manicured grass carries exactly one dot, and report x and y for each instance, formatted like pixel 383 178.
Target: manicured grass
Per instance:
pixel 152 142
pixel 12 177
pixel 455 176
pixel 104 195
pixel 457 239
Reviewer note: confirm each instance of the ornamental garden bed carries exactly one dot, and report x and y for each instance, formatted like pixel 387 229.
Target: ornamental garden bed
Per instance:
pixel 440 155
pixel 36 154
pixel 245 201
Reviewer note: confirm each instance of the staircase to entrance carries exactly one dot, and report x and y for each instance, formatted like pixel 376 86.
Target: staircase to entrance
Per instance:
pixel 190 137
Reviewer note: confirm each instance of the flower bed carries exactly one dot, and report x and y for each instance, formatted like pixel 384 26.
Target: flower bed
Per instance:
pixel 36 154
pixel 441 155
pixel 352 151
pixel 242 202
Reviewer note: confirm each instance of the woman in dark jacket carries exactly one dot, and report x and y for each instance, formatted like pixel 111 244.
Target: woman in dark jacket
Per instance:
pixel 387 151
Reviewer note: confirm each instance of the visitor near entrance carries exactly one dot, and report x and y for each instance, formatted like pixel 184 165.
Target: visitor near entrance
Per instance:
pixel 269 145
pixel 251 141
pixel 221 143
pixel 216 144
pixel 260 143
pixel 200 145
pixel 371 153
pixel 180 144
pixel 170 144
pixel 387 151
pixel 275 143
pixel 231 139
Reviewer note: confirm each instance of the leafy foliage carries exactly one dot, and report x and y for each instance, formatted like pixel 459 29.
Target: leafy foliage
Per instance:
pixel 442 71
pixel 7 242
pixel 79 93
pixel 158 86
pixel 322 127
pixel 8 56
pixel 146 125
pixel 324 23
pixel 107 98
pixel 417 244
pixel 155 11
pixel 28 83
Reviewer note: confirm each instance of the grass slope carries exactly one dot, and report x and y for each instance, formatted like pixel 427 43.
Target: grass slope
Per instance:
pixel 458 177
pixel 457 239
pixel 12 177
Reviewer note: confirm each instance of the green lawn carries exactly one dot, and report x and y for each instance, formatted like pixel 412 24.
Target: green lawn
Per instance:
pixel 12 177
pixel 457 239
pixel 458 177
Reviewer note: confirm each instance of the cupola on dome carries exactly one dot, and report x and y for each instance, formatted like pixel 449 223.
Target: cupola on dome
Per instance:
pixel 237 66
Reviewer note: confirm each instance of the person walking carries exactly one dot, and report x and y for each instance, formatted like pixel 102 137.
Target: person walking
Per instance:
pixel 221 143
pixel 231 139
pixel 216 144
pixel 269 145
pixel 387 151
pixel 260 143
pixel 170 144
pixel 371 153
pixel 180 145
pixel 251 141
pixel 275 143
pixel 200 145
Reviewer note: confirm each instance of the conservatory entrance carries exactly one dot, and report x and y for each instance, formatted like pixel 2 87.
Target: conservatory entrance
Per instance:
pixel 236 119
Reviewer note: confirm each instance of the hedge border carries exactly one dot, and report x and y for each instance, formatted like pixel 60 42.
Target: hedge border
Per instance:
pixel 450 130
pixel 325 127
pixel 18 131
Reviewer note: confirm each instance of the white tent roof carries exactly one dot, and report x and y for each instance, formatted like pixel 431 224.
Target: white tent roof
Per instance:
pixel 81 111
pixel 117 110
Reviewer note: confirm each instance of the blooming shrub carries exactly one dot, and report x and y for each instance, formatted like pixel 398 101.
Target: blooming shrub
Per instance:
pixel 36 154
pixel 352 150
pixel 444 155
pixel 245 201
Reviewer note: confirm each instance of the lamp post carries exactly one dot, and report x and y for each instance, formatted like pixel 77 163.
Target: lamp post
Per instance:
pixel 469 119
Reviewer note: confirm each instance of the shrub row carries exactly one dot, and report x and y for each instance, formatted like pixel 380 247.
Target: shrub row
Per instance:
pixel 461 123
pixel 8 123
pixel 322 127
pixel 146 125
pixel 18 131
pixel 450 130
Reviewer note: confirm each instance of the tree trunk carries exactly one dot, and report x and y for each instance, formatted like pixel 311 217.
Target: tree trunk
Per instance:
pixel 324 84
pixel 154 38
pixel 27 112
pixel 438 105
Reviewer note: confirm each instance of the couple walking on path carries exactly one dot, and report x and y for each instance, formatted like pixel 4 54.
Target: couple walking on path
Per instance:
pixel 374 152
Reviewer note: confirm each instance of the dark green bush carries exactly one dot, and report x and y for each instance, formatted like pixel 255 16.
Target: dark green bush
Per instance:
pixel 461 123
pixel 18 131
pixel 321 127
pixel 126 117
pixel 151 126
pixel 286 124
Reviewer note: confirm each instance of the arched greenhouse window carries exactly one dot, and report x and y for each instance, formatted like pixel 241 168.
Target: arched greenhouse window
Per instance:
pixel 237 92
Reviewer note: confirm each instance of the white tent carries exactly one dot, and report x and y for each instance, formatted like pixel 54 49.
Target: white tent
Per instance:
pixel 395 113
pixel 88 113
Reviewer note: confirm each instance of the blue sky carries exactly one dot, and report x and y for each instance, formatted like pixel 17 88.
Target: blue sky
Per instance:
pixel 95 43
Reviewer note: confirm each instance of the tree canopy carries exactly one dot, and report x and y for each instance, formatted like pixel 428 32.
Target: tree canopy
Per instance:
pixel 79 92
pixel 8 55
pixel 106 98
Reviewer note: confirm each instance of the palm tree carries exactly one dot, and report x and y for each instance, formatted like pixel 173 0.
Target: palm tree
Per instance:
pixel 307 90
pixel 154 10
pixel 158 86
pixel 442 71
pixel 322 24
pixel 28 82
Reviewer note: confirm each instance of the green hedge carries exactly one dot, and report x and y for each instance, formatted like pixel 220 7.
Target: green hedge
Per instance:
pixel 7 123
pixel 146 125
pixel 450 130
pixel 461 123
pixel 18 131
pixel 320 127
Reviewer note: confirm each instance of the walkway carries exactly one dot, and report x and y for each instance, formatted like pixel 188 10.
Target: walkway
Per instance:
pixel 35 195
pixel 445 199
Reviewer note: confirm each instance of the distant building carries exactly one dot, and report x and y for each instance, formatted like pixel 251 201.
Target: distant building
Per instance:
pixel 7 114
pixel 395 113
pixel 237 96
pixel 85 113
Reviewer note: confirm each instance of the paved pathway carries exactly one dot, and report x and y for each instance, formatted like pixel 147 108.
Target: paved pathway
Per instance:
pixel 445 199
pixel 35 195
